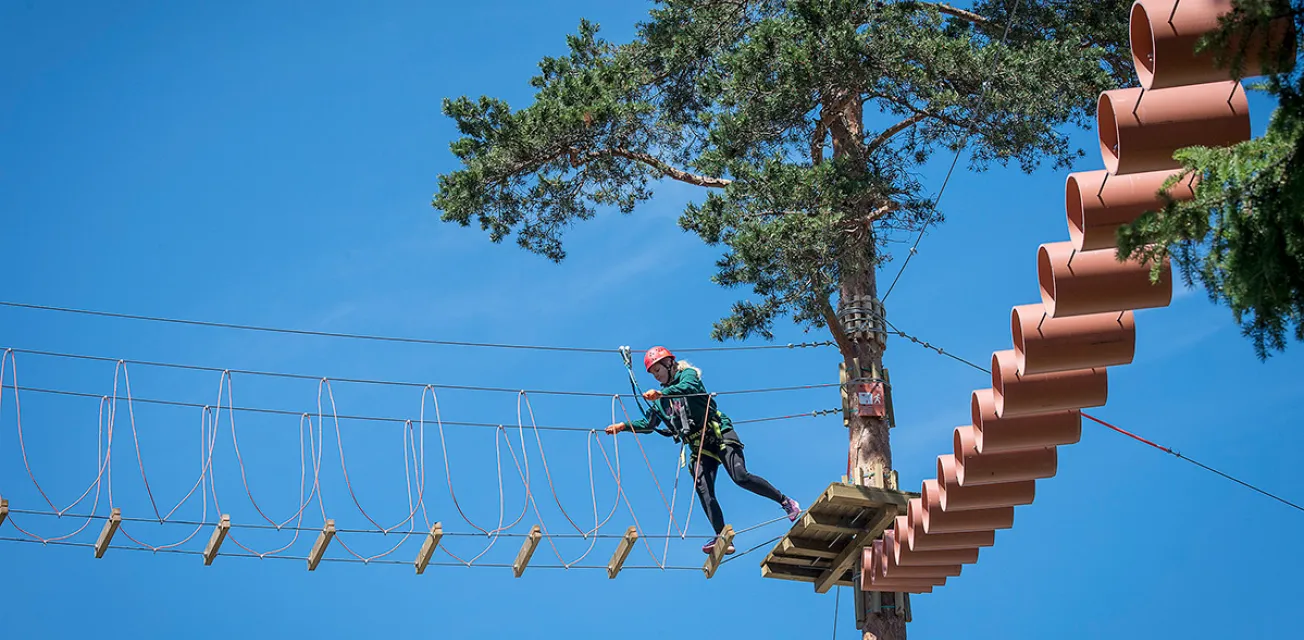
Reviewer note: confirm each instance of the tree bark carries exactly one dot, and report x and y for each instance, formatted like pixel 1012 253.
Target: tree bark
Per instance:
pixel 869 445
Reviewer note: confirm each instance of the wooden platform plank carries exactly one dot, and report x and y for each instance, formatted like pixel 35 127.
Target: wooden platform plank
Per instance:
pixel 814 563
pixel 801 572
pixel 783 574
pixel 797 576
pixel 827 523
pixel 784 563
pixel 857 495
pixel 825 543
pixel 854 550
pixel 793 546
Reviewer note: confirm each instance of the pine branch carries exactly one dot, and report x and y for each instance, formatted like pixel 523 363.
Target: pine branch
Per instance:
pixel 967 16
pixel 665 169
pixel 895 129
pixel 835 327
pixel 924 114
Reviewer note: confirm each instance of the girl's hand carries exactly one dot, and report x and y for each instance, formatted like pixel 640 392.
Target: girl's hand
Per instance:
pixel 616 428
pixel 651 395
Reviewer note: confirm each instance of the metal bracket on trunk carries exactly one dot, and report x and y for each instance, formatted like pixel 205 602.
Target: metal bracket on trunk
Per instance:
pixel 863 320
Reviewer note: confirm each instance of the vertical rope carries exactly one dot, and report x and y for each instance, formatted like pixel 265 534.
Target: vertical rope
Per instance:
pixel 837 600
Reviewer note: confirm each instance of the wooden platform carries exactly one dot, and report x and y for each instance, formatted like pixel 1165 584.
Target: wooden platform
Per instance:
pixel 825 545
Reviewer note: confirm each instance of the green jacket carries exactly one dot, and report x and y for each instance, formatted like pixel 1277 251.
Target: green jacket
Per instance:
pixel 685 394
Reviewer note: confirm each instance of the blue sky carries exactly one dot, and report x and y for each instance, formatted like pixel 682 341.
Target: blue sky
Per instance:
pixel 273 165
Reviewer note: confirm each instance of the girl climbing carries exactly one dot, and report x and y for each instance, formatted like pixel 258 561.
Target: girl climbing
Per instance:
pixel 685 407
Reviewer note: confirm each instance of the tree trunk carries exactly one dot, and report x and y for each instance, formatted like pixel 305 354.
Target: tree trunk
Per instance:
pixel 869 446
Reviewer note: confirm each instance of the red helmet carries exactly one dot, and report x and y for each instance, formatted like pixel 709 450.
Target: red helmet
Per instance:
pixel 654 355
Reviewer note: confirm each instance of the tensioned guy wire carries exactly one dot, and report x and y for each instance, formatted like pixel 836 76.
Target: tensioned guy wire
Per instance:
pixel 392 383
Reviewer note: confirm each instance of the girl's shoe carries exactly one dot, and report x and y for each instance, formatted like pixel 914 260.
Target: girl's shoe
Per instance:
pixel 792 508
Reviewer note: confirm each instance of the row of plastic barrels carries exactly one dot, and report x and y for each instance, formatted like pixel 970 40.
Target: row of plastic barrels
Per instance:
pixel 1084 324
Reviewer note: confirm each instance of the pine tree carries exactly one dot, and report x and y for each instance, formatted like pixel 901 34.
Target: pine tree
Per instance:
pixel 804 123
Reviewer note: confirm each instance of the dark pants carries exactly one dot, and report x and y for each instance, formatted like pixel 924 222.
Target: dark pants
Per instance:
pixel 736 467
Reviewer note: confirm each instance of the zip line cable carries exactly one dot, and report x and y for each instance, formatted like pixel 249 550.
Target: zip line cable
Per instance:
pixel 380 338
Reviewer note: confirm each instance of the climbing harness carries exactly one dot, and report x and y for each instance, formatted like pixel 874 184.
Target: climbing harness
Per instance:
pixel 627 356
pixel 681 430
pixel 709 438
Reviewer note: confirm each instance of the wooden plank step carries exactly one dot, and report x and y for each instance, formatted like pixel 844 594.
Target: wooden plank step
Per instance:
pixel 722 542
pixel 622 552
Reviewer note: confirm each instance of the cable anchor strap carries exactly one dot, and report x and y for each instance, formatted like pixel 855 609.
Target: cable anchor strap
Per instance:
pixel 863 319
pixel 859 380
